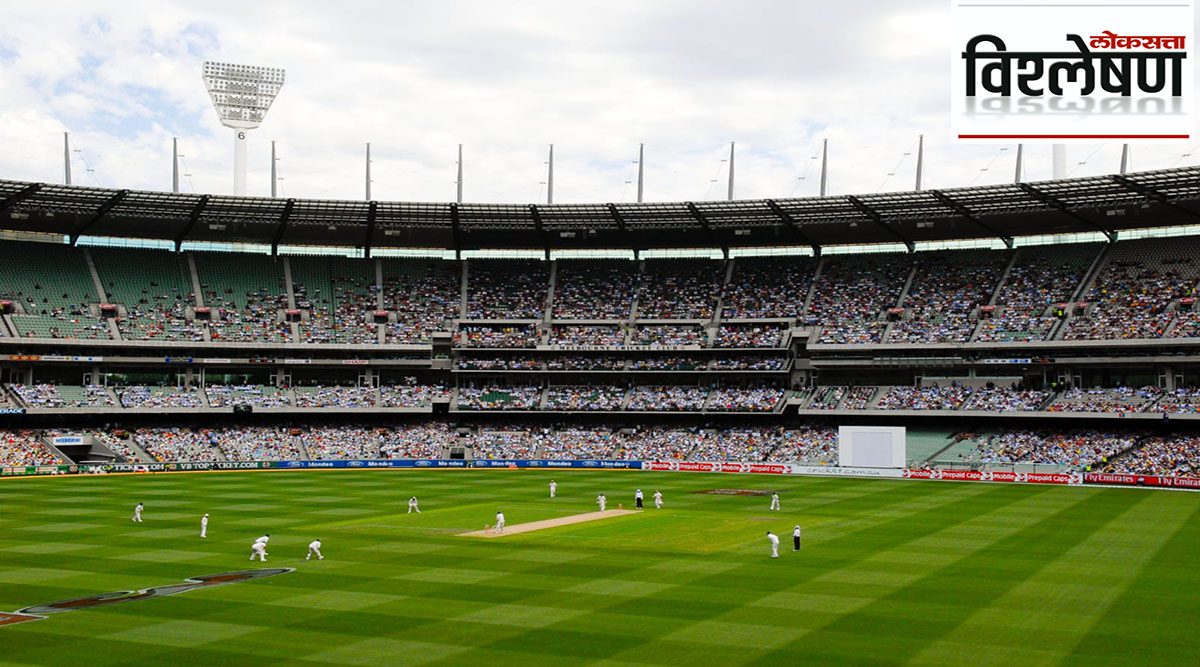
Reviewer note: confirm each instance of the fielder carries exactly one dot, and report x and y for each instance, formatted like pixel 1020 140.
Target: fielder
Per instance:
pixel 204 526
pixel 499 522
pixel 637 498
pixel 553 489
pixel 264 539
pixel 259 549
pixel 774 544
pixel 602 501
pixel 658 500
pixel 775 501
pixel 137 512
pixel 412 505
pixel 796 539
pixel 314 547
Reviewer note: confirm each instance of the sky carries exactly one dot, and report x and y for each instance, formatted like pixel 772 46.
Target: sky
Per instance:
pixel 505 80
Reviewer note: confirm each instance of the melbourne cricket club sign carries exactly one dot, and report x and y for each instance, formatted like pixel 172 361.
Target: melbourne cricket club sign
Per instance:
pixel 38 612
pixel 1072 71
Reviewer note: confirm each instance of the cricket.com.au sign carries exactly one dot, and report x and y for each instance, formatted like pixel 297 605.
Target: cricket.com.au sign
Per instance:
pixel 1072 71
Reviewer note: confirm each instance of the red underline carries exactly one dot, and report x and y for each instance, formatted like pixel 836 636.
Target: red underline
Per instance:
pixel 1074 136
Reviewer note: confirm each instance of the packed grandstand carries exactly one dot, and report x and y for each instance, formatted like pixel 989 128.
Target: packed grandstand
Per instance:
pixel 125 323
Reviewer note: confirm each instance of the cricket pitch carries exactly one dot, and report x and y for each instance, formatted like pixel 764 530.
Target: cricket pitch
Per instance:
pixel 519 528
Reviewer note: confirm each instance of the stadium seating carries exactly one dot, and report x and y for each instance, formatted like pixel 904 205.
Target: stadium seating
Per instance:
pixel 767 288
pixel 340 297
pixel 946 290
pixel 246 293
pixel 55 303
pixel 594 290
pixel 23 449
pixel 424 295
pixel 1041 277
pixel 852 294
pixel 155 287
pixel 507 289
pixel 679 290
pixel 1133 295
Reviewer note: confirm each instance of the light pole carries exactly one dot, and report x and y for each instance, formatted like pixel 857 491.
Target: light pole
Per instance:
pixel 241 95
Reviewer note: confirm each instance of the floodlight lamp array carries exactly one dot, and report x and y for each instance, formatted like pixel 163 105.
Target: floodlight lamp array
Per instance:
pixel 242 94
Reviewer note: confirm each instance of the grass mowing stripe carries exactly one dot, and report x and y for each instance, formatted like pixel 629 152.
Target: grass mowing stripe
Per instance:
pixel 669 592
pixel 944 598
pixel 1151 614
pixel 1067 595
pixel 871 578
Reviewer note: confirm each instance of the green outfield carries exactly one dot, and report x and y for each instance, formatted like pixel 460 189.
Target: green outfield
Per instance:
pixel 891 572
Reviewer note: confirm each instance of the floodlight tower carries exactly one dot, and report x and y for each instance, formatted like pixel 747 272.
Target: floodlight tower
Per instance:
pixel 241 95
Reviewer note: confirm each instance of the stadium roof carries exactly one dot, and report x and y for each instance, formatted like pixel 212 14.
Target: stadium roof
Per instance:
pixel 1106 204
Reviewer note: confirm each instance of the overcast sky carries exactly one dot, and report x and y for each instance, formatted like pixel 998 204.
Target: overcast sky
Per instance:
pixel 505 79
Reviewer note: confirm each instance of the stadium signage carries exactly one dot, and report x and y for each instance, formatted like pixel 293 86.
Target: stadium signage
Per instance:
pixel 1055 73
pixel 845 472
pixel 40 611
pixel 67 440
pixel 1142 480
pixel 618 348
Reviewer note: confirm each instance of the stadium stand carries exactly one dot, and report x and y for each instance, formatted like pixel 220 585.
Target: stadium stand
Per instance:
pixel 321 396
pixel 63 396
pixel 339 295
pixel 256 395
pixel 1135 292
pixel 142 396
pixel 585 397
pixel 507 289
pixel 767 288
pixel 60 303
pixel 946 290
pixel 155 288
pixel 1041 277
pixel 679 290
pixel 594 290
pixel 423 295
pixel 246 295
pixel 852 295
pixel 1036 350
pixel 23 449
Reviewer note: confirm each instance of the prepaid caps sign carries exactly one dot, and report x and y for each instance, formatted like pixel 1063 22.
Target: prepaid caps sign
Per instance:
pixel 1072 71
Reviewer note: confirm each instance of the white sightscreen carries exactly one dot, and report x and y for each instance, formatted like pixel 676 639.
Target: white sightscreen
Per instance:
pixel 871 446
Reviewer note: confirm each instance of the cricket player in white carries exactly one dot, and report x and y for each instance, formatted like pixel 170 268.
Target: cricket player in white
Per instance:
pixel 553 489
pixel 774 544
pixel 774 501
pixel 204 526
pixel 259 548
pixel 412 505
pixel 602 501
pixel 658 500
pixel 796 539
pixel 499 522
pixel 137 512
pixel 314 547
pixel 264 539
